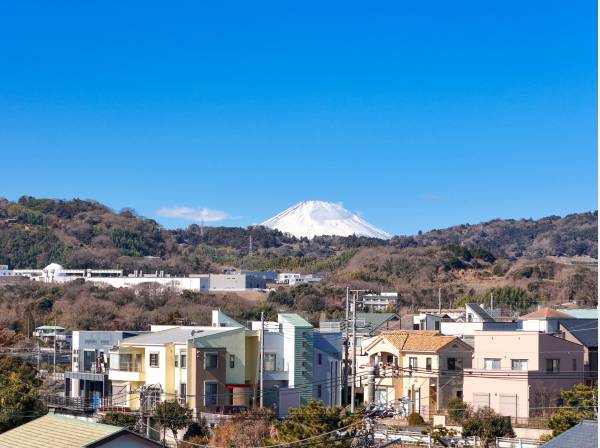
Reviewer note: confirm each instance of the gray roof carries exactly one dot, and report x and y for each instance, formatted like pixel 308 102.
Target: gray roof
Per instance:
pixel 179 335
pixel 582 435
pixel 483 314
pixel 376 320
pixel 584 330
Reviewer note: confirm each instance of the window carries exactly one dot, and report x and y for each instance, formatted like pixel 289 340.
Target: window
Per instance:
pixel 211 360
pixel 319 391
pixel 574 365
pixel 319 359
pixel 182 393
pixel 437 325
pixel 454 363
pixel 428 364
pixel 153 359
pixel 210 394
pixel 183 360
pixel 459 394
pixel 552 365
pixel 518 364
pixel 231 361
pixel 270 360
pixel 88 360
pixel 412 362
pixel 176 361
pixel 491 363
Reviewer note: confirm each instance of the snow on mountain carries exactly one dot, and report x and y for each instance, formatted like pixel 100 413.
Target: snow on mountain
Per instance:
pixel 312 218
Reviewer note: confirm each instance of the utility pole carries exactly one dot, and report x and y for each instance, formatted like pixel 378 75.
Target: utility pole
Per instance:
pixel 262 357
pixel 346 346
pixel 439 300
pixel 355 293
pixel 54 349
pixel 492 304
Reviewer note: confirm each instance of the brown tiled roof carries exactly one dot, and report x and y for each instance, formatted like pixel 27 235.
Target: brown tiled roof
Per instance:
pixel 418 340
pixel 546 313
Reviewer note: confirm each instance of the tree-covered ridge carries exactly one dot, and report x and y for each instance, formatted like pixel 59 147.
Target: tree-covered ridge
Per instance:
pixel 86 234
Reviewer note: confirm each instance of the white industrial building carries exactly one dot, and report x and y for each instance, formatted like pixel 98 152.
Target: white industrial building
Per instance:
pixel 233 281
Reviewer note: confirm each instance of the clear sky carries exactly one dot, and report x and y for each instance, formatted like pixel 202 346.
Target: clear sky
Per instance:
pixel 418 115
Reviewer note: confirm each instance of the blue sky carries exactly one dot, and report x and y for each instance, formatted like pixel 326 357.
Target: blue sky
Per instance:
pixel 419 115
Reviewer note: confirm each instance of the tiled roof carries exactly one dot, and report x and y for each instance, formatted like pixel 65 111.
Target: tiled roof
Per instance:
pixel 582 435
pixel 418 340
pixel 546 313
pixel 56 431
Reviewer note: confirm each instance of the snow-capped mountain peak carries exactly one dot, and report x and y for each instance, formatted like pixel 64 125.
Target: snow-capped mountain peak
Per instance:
pixel 312 218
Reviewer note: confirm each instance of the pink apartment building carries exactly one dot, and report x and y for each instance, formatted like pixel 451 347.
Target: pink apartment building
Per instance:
pixel 519 373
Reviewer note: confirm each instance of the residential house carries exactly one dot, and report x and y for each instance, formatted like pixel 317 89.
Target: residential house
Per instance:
pixel 584 332
pixel 475 318
pixel 418 371
pixel 288 362
pixel 54 431
pixel 151 367
pixel 520 373
pixel 51 334
pixel 381 302
pixel 544 320
pixel 223 370
pixel 327 362
pixel 87 383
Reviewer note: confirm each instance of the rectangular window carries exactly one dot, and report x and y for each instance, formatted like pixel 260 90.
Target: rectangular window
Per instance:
pixel 319 391
pixel 210 394
pixel 552 365
pixel 183 360
pixel 319 359
pixel 88 360
pixel 182 393
pixel 211 360
pixel 428 364
pixel 270 362
pixel 491 363
pixel 176 361
pixel 412 362
pixel 154 359
pixel 232 361
pixel 454 363
pixel 518 364
pixel 574 364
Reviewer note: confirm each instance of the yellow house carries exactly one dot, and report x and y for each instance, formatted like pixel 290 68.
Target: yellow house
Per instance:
pixel 154 366
pixel 416 371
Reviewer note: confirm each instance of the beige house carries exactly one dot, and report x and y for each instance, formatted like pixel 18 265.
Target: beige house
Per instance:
pixel 519 373
pixel 418 371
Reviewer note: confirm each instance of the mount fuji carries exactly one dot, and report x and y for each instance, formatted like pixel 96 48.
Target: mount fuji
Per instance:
pixel 313 218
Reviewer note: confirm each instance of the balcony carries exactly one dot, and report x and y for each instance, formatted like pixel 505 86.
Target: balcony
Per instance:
pixel 127 371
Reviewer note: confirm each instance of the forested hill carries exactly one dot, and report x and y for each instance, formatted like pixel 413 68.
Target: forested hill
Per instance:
pixel 86 234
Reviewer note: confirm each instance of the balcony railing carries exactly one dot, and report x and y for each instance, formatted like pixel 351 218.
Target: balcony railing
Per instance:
pixel 124 366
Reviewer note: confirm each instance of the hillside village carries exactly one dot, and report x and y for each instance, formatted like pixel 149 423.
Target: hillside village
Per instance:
pixel 412 374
